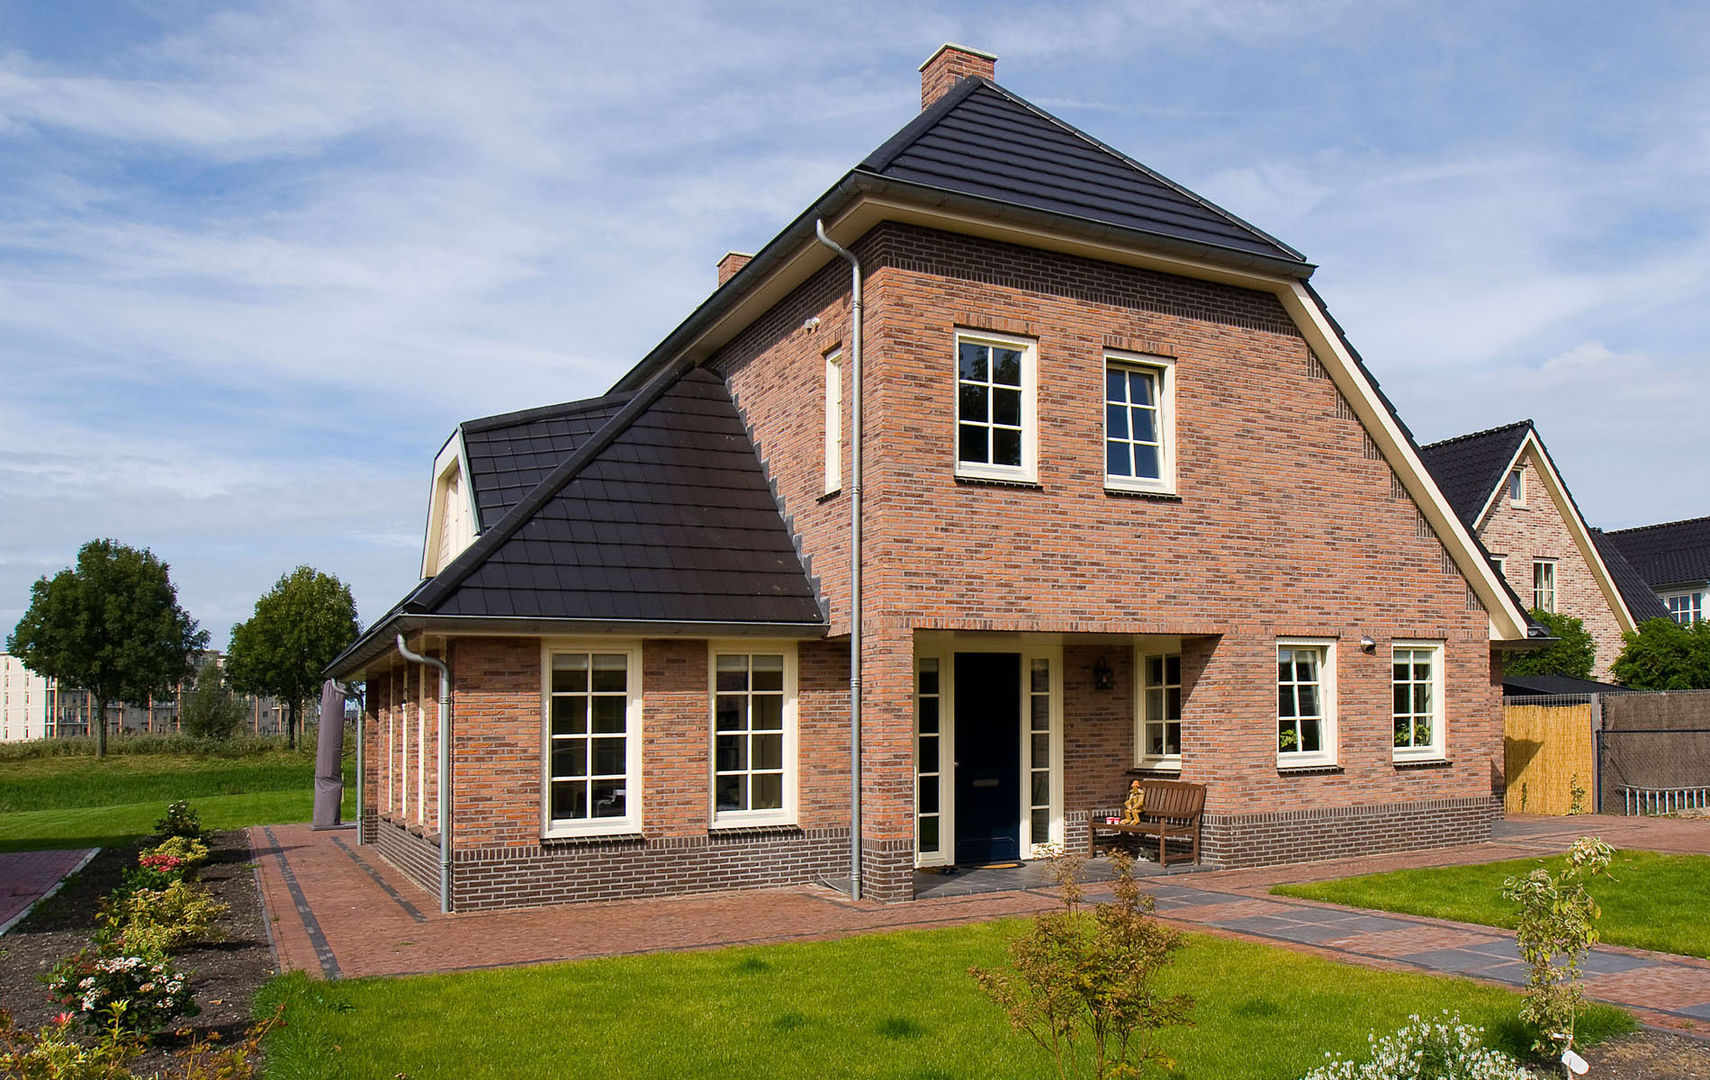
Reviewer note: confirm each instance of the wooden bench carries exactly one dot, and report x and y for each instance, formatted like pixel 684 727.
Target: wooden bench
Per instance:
pixel 1172 810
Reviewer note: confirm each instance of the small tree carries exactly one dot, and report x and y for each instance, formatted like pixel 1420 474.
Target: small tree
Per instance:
pixel 299 626
pixel 211 710
pixel 1664 655
pixel 1083 985
pixel 111 626
pixel 1573 656
pixel 1558 924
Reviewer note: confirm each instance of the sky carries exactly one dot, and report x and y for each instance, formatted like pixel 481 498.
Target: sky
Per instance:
pixel 257 261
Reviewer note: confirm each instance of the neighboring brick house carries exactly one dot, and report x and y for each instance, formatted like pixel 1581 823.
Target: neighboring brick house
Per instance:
pixel 1132 505
pixel 1674 560
pixel 1506 488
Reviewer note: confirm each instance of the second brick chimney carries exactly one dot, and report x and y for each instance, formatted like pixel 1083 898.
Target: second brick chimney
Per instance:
pixel 730 264
pixel 948 66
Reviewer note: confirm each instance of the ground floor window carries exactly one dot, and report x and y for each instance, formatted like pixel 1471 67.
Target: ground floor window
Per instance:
pixel 754 708
pixel 1416 683
pixel 928 750
pixel 1039 750
pixel 1161 711
pixel 1305 703
pixel 593 739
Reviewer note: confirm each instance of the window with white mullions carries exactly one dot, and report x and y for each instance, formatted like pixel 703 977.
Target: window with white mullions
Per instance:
pixel 929 733
pixel 1416 685
pixel 588 729
pixel 1686 608
pixel 1163 705
pixel 1303 704
pixel 1544 585
pixel 749 759
pixel 1039 750
pixel 994 407
pixel 1133 427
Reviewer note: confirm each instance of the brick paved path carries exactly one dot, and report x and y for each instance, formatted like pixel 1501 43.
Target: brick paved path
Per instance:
pixel 337 910
pixel 25 876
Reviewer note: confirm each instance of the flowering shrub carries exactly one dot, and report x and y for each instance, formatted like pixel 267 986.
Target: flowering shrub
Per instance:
pixel 181 820
pixel 1423 1050
pixel 187 849
pixel 54 1053
pixel 153 922
pixel 125 994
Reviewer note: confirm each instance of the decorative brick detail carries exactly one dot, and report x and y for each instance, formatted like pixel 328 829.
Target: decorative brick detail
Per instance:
pixel 1340 831
pixel 414 854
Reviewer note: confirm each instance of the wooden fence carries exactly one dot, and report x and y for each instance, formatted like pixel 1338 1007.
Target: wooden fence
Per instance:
pixel 1550 749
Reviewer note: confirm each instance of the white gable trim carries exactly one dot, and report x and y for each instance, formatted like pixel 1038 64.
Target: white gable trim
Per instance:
pixel 451 462
pixel 1576 524
pixel 1507 621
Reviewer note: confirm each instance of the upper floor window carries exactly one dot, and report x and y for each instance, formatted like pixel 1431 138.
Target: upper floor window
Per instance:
pixel 593 739
pixel 1544 585
pixel 1306 711
pixel 1517 487
pixel 833 422
pixel 1501 564
pixel 1416 682
pixel 1686 608
pixel 1139 427
pixel 754 734
pixel 996 427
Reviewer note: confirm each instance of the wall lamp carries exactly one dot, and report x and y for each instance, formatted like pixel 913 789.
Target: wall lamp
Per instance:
pixel 1103 678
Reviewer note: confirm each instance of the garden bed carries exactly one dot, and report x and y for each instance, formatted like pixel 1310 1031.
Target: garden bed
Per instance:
pixel 225 975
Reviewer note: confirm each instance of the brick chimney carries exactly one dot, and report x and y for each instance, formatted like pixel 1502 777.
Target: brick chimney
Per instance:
pixel 948 66
pixel 730 264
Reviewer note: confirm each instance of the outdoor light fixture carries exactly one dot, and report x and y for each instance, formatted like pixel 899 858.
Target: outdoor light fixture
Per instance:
pixel 1102 677
pixel 1367 645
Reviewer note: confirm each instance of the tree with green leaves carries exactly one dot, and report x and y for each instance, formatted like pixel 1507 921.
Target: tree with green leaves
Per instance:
pixel 1664 655
pixel 110 626
pixel 1573 655
pixel 299 626
pixel 210 709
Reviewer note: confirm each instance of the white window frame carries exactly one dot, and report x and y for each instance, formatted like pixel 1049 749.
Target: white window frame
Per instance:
pixel 939 769
pixel 1165 369
pixel 1501 564
pixel 630 822
pixel 1548 567
pixel 786 814
pixel 1509 486
pixel 1302 759
pixel 1434 750
pixel 1144 654
pixel 1689 603
pixel 1028 470
pixel 833 421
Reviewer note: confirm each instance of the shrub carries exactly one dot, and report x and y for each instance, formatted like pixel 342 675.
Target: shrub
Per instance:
pixel 1558 919
pixel 136 995
pixel 1573 654
pixel 141 743
pixel 54 1053
pixel 190 854
pixel 154 922
pixel 181 820
pixel 1445 1050
pixel 1082 984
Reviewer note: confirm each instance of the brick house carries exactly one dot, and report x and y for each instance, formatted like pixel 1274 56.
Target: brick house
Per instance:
pixel 1129 504
pixel 1505 487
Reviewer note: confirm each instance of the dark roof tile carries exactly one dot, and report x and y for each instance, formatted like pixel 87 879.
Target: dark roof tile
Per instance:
pixel 1642 603
pixel 1468 468
pixel 1673 553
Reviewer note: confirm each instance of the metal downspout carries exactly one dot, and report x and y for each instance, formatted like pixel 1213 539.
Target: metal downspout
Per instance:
pixel 444 769
pixel 854 559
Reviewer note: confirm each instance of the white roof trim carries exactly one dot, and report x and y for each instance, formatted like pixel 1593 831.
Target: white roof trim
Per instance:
pixel 1576 524
pixel 1507 621
pixel 452 457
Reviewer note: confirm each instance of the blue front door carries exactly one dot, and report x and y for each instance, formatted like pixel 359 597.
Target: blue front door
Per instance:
pixel 988 758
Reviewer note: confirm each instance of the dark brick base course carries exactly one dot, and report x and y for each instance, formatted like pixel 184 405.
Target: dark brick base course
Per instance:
pixel 417 856
pixel 632 867
pixel 1344 831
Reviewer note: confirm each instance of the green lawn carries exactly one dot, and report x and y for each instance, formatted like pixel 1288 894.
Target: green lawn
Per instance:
pixel 881 1005
pixel 77 801
pixel 1650 901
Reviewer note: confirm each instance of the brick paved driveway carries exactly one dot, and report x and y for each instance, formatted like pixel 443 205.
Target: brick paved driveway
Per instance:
pixel 337 910
pixel 26 876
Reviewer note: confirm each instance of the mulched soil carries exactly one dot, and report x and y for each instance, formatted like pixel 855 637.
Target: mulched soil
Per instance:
pixel 225 974
pixel 1650 1055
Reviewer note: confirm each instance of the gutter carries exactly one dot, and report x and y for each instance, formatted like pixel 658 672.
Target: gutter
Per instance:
pixel 855 313
pixel 444 808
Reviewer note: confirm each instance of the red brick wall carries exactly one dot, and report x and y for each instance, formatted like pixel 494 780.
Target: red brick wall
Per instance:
pixel 1285 523
pixel 1538 530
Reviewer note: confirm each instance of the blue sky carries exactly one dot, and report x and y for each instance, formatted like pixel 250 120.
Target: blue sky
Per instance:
pixel 257 261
